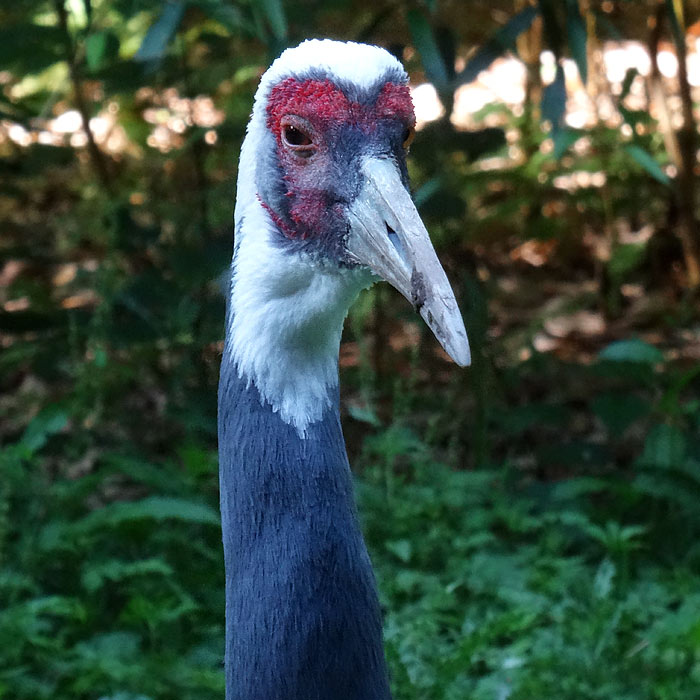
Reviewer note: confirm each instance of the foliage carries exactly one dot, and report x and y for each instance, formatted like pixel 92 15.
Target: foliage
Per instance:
pixel 533 522
pixel 495 584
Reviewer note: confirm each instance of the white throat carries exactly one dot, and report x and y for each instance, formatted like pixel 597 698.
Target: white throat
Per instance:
pixel 285 321
pixel 286 309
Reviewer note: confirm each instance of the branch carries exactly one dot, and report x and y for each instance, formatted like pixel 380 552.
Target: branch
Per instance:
pixel 96 155
pixel 680 146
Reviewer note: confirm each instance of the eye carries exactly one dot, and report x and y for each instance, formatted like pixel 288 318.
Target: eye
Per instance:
pixel 297 137
pixel 407 137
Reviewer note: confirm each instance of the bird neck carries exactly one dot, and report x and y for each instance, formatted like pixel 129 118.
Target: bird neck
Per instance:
pixel 303 620
pixel 285 319
pixel 302 615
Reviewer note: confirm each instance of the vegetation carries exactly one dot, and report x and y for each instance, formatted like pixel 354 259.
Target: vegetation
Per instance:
pixel 533 521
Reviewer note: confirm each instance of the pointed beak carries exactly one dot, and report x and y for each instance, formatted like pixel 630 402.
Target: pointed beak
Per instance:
pixel 388 236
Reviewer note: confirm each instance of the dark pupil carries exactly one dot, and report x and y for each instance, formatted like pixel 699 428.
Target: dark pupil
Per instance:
pixel 295 137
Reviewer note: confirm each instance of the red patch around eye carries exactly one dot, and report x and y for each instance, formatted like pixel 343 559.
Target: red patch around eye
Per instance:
pixel 310 99
pixel 395 101
pixel 321 100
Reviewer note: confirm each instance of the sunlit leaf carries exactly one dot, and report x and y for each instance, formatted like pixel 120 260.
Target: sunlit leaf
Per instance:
pixel 364 414
pixel 96 575
pixel 603 581
pixel 401 548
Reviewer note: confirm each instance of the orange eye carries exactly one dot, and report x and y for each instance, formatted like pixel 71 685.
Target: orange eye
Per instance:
pixel 407 137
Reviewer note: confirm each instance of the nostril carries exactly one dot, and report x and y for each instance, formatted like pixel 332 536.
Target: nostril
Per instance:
pixel 393 237
pixel 396 242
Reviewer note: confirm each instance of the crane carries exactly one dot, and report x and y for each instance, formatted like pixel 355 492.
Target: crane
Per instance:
pixel 322 211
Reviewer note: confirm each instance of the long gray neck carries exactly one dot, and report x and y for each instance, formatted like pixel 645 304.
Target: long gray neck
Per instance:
pixel 302 615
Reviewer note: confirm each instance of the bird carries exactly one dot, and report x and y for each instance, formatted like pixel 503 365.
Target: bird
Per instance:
pixel 323 210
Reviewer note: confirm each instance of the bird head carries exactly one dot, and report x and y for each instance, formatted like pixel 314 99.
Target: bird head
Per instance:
pixel 325 157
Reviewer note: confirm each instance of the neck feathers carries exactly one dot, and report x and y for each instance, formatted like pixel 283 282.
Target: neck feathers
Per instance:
pixel 302 615
pixel 286 313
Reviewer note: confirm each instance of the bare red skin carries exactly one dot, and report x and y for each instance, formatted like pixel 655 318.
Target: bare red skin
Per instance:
pixel 319 100
pixel 320 103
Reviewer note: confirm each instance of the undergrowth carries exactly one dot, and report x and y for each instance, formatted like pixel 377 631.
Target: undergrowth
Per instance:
pixel 495 584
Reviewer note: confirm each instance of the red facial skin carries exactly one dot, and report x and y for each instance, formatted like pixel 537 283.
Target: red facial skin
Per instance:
pixel 320 104
pixel 319 100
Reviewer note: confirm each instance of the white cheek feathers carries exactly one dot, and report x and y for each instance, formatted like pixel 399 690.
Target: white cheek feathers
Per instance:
pixel 285 322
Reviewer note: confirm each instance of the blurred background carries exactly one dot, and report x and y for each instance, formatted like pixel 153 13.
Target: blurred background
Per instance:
pixel 533 520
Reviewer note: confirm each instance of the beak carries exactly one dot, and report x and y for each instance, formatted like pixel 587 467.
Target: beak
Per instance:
pixel 388 236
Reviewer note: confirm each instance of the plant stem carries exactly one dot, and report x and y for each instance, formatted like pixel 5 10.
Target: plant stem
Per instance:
pixel 96 155
pixel 680 146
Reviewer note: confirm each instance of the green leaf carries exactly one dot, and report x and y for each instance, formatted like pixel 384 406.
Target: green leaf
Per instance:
pixel 400 548
pixel 676 29
pixel 503 40
pixel 603 581
pixel 56 605
pixel 647 162
pixel 576 32
pixel 664 447
pixel 227 15
pixel 274 11
pixel 27 48
pixel 100 48
pixel 49 422
pixel 425 43
pixel 154 508
pixel 427 190
pixel 625 257
pixel 563 139
pixel 155 43
pixel 96 575
pixel 630 75
pixel 364 414
pixel 619 410
pixel 633 350
pixel 554 100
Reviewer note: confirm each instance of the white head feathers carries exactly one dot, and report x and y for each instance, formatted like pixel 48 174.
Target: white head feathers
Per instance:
pixel 287 311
